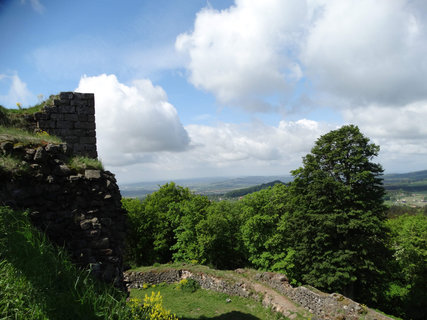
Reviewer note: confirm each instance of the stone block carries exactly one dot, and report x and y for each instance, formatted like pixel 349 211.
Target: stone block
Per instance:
pixel 66 95
pixel 85 125
pixel 82 117
pixel 71 139
pixel 67 109
pixel 87 140
pixel 46 124
pixel 62 124
pixel 78 102
pixel 41 116
pixel 56 116
pixel 90 118
pixel 88 96
pixel 90 133
pixel 70 117
pixel 85 109
pixel 92 174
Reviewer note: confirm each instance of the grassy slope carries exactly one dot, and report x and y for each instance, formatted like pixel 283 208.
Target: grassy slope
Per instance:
pixel 38 281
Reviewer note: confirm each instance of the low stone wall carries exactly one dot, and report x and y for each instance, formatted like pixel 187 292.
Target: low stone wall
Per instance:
pixel 135 280
pixel 321 305
pixel 79 209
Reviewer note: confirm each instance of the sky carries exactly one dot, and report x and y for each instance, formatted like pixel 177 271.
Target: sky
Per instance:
pixel 193 88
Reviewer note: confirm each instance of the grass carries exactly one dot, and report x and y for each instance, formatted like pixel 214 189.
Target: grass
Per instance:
pixel 25 137
pixel 13 165
pixel 31 110
pixel 38 281
pixel 205 304
pixel 79 163
pixel 16 117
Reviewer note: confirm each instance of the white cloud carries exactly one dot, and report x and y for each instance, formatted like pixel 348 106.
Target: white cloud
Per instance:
pixel 367 51
pixel 231 150
pixel 244 54
pixel 349 51
pixel 133 121
pixel 400 132
pixel 17 92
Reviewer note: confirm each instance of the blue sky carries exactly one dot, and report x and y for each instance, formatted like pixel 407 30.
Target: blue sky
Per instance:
pixel 225 88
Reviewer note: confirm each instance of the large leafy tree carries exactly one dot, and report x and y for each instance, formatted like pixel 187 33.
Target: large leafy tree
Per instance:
pixel 336 226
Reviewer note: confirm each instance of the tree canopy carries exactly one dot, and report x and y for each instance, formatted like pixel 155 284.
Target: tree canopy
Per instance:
pixel 336 223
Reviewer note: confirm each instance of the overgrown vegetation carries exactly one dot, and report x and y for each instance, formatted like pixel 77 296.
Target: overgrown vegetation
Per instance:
pixel 23 137
pixel 79 163
pixel 327 228
pixel 38 281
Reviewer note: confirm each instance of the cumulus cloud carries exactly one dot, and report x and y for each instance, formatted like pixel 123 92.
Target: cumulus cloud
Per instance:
pixel 231 149
pixel 17 92
pixel 368 51
pixel 245 53
pixel 350 52
pixel 133 121
pixel 254 142
pixel 400 132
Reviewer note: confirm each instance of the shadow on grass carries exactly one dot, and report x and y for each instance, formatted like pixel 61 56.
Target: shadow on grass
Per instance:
pixel 233 315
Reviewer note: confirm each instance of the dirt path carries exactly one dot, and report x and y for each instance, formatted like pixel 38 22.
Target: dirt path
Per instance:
pixel 277 301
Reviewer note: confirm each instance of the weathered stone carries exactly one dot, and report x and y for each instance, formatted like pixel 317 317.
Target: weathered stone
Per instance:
pixel 74 209
pixel 103 243
pixel 62 124
pixel 88 140
pixel 92 174
pixel 85 224
pixel 71 117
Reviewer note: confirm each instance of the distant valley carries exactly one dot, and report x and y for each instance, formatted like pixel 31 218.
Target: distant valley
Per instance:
pixel 406 188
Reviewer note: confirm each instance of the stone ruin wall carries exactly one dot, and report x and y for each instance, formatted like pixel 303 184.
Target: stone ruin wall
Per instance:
pixel 78 208
pixel 71 118
pixel 321 305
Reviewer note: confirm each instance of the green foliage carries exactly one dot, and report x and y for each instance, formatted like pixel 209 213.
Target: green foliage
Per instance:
pixel 9 164
pixel 406 294
pixel 38 281
pixel 152 224
pixel 188 285
pixel 187 247
pixel 80 163
pixel 336 224
pixel 4 119
pixel 218 236
pixel 261 229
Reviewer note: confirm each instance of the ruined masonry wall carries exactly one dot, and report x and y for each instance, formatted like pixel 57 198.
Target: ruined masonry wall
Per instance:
pixel 72 118
pixel 76 208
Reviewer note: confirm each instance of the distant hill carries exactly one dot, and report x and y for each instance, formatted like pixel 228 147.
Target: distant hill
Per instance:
pixel 245 191
pixel 239 186
pixel 412 181
pixel 207 186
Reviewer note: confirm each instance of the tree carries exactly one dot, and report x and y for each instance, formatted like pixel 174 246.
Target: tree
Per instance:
pixel 262 237
pixel 152 223
pixel 336 225
pixel 219 238
pixel 406 295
